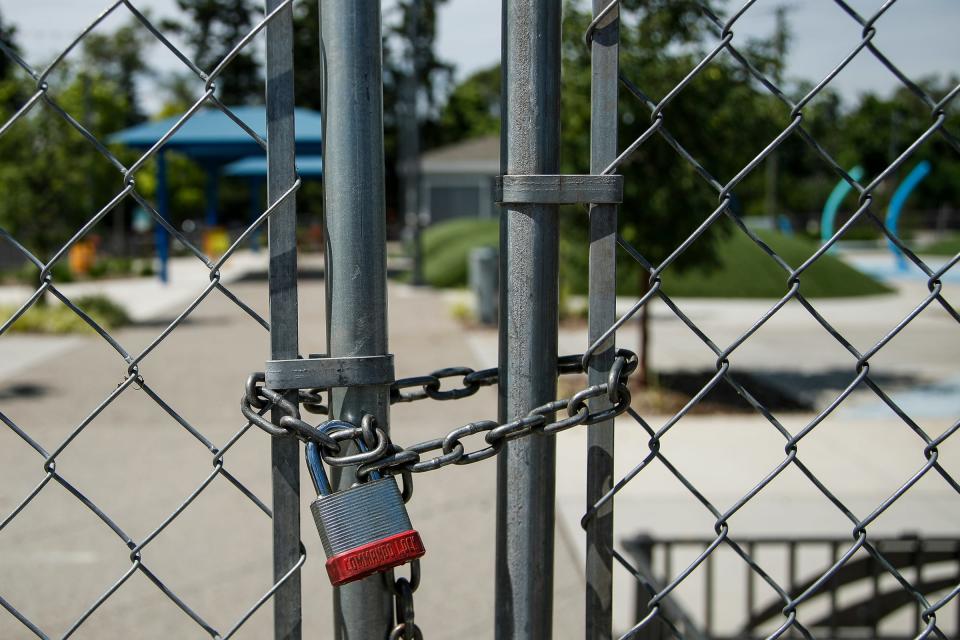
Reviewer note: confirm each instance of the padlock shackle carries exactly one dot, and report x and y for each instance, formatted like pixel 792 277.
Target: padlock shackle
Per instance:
pixel 321 482
pixel 317 473
pixel 331 425
pixel 336 425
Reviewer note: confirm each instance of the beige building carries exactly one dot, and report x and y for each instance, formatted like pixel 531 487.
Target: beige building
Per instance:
pixel 457 180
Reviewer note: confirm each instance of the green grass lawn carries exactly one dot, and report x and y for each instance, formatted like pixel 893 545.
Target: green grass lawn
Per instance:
pixel 744 270
pixel 948 245
pixel 446 249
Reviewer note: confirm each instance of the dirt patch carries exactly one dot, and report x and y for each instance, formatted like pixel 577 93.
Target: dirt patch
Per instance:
pixel 668 392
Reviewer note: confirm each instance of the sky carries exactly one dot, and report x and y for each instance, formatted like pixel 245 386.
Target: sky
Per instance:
pixel 919 35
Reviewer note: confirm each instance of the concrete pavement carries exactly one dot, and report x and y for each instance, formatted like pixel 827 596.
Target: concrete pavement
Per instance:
pixel 863 451
pixel 138 464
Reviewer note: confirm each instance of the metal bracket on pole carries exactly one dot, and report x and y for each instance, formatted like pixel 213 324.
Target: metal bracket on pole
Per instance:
pixel 322 372
pixel 559 189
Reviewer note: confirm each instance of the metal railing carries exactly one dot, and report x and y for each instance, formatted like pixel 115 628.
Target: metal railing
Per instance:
pixel 857 601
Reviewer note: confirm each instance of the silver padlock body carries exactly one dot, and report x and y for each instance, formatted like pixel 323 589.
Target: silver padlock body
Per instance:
pixel 360 515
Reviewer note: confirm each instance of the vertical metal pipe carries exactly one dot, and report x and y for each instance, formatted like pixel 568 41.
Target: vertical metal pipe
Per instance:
pixel 282 233
pixel 356 269
pixel 644 561
pixel 792 576
pixel 918 580
pixel 751 588
pixel 957 606
pixel 212 194
pixel 529 239
pixel 708 608
pixel 255 185
pixel 832 586
pixel 875 596
pixel 161 237
pixel 602 313
pixel 408 142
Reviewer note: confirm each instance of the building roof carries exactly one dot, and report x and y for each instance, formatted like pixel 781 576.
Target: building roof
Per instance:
pixel 476 155
pixel 256 167
pixel 212 136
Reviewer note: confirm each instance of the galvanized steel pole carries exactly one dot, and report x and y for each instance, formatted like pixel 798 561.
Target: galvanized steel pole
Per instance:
pixel 356 269
pixel 530 144
pixel 408 142
pixel 282 231
pixel 602 303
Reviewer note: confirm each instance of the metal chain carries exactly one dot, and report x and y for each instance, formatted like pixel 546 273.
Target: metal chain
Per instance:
pixel 403 590
pixel 385 457
pixel 379 455
pixel 471 383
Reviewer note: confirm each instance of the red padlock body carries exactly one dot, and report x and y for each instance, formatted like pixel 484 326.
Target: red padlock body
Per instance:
pixel 370 558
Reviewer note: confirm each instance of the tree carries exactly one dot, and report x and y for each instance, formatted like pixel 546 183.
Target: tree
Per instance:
pixel 413 80
pixel 8 35
pixel 117 58
pixel 11 93
pixel 212 28
pixel 409 33
pixel 878 129
pixel 308 77
pixel 409 48
pixel 473 108
pixel 720 118
pixel 52 178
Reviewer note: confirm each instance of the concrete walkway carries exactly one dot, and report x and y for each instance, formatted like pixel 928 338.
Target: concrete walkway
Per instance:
pixel 863 452
pixel 145 298
pixel 138 464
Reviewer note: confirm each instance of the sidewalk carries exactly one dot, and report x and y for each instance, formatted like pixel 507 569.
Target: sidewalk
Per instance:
pixel 145 298
pixel 863 451
pixel 137 464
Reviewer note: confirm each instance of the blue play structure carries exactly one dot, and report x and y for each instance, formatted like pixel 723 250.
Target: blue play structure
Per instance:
pixel 212 140
pixel 894 209
pixel 254 170
pixel 918 173
pixel 833 202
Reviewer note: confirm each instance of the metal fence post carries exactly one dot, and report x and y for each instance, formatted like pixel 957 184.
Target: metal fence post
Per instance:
pixel 356 271
pixel 530 143
pixel 408 143
pixel 602 304
pixel 282 231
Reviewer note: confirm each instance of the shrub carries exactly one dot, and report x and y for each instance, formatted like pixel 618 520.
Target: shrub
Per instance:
pixel 56 318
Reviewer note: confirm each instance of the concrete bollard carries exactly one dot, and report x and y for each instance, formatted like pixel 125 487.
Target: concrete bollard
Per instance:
pixel 484 265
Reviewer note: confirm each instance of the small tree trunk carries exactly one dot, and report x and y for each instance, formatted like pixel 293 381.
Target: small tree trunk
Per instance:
pixel 642 373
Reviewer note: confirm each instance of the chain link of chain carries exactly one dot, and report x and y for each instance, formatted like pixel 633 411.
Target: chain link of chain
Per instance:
pixel 403 590
pixel 379 455
pixel 385 457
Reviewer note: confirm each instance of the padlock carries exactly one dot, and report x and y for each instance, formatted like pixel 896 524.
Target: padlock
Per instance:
pixel 365 528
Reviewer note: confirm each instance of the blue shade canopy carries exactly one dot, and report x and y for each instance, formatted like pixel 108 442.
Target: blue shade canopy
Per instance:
pixel 211 136
pixel 256 167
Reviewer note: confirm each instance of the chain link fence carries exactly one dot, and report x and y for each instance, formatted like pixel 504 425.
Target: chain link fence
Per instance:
pixel 131 372
pixel 658 607
pixel 528 415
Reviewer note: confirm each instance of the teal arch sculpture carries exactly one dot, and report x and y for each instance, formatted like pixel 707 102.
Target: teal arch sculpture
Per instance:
pixel 828 219
pixel 916 175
